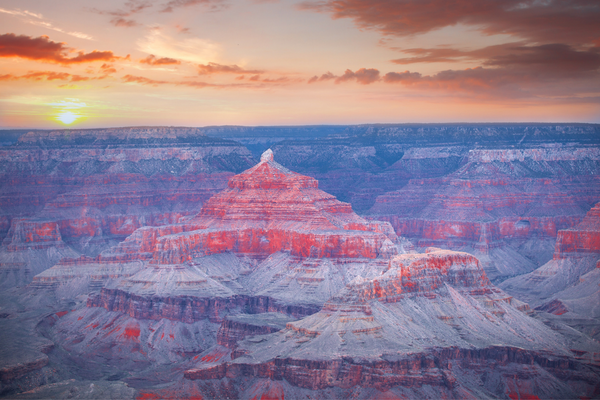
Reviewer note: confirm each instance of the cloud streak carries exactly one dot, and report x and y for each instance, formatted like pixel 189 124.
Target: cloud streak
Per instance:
pixel 364 76
pixel 45 50
pixel 214 68
pixel 120 16
pixel 566 21
pixel 212 5
pixel 39 21
pixel 49 76
pixel 153 60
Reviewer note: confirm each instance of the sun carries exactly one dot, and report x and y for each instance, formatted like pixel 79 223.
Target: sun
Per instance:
pixel 67 117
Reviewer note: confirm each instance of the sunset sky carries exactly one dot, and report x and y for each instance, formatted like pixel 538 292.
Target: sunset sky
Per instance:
pixel 87 64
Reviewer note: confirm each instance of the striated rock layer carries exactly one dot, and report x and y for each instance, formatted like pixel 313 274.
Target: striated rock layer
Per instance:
pixel 265 210
pixel 498 198
pixel 570 282
pixel 88 190
pixel 413 326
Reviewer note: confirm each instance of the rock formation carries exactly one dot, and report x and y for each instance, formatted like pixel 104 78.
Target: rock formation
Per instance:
pixel 419 323
pixel 570 281
pixel 95 188
pixel 263 285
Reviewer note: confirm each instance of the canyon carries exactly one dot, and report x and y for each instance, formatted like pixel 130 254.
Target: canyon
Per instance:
pixel 375 261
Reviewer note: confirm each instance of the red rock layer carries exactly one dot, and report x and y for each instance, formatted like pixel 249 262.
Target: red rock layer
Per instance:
pixel 432 368
pixel 265 209
pixel 33 234
pixel 465 209
pixel 582 239
pixel 419 274
pixel 259 243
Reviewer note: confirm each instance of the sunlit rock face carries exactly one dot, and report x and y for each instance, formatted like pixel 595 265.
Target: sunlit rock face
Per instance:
pixel 270 242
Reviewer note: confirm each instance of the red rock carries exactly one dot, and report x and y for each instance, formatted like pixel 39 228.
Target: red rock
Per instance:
pixel 584 238
pixel 555 307
pixel 396 331
pixel 33 234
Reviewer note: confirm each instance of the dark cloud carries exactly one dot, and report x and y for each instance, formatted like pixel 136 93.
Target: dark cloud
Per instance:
pixel 212 5
pixel 495 83
pixel 566 21
pixel 153 60
pixel 214 68
pixel 406 76
pixel 43 49
pixel 558 60
pixel 364 76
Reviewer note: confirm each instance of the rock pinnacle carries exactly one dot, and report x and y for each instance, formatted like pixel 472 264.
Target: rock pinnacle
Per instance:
pixel 267 156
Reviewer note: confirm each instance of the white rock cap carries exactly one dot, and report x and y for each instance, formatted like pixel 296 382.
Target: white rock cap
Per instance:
pixel 267 156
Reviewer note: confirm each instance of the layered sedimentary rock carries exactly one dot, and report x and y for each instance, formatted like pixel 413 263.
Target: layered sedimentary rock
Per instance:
pixel 497 198
pixel 236 327
pixel 97 187
pixel 570 281
pixel 413 326
pixel 582 239
pixel 30 247
pixel 276 222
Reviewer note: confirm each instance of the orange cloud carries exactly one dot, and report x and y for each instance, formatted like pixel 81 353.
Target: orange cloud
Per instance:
pixel 48 76
pixel 142 80
pixel 153 60
pixel 200 84
pixel 43 49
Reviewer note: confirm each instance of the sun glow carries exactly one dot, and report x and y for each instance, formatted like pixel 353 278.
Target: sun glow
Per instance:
pixel 67 117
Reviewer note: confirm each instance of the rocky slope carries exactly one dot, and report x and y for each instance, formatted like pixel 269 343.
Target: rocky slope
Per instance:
pixel 152 277
pixel 569 283
pixel 270 218
pixel 420 323
pixel 96 187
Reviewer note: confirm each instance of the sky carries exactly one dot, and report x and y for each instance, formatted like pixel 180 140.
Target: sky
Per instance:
pixel 91 64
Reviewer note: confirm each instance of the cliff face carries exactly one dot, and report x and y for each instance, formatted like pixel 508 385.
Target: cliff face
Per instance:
pixel 267 284
pixel 569 282
pixel 87 190
pixel 265 210
pixel 582 239
pixel 410 327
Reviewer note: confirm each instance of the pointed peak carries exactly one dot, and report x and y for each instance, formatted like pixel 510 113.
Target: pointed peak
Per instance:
pixel 267 156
